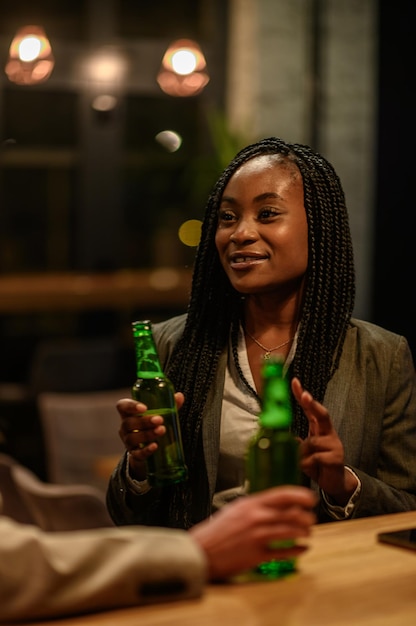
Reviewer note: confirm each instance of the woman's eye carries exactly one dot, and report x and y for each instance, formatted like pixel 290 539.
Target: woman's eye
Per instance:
pixel 267 213
pixel 225 216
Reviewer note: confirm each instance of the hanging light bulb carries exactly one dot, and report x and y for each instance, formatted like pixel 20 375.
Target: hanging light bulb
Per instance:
pixel 182 70
pixel 30 57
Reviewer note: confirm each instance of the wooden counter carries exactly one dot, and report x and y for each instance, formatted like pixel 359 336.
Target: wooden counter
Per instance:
pixel 346 578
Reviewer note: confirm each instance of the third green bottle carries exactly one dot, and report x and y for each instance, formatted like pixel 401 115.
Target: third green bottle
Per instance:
pixel 273 453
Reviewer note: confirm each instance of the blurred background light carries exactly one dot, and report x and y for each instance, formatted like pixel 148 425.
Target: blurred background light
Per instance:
pixel 29 48
pixel 104 71
pixel 106 65
pixel 170 140
pixel 190 233
pixel 184 62
pixel 104 103
pixel 182 71
pixel 30 59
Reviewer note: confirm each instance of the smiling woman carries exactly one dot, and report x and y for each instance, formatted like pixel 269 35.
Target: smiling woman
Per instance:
pixel 262 222
pixel 274 271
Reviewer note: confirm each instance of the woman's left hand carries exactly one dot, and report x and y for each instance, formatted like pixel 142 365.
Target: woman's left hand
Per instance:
pixel 322 453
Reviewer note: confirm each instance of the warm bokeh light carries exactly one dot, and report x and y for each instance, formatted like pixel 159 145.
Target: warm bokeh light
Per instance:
pixel 104 103
pixel 170 140
pixel 30 58
pixel 104 71
pixel 184 56
pixel 182 71
pixel 106 66
pixel 29 48
pixel 184 61
pixel 190 233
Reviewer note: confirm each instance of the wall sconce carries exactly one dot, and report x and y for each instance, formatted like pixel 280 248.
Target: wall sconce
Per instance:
pixel 30 57
pixel 182 70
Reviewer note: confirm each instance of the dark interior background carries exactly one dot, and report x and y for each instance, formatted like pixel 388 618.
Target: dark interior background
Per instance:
pixel 395 247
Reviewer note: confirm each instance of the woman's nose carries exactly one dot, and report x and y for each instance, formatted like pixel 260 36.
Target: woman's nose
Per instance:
pixel 243 232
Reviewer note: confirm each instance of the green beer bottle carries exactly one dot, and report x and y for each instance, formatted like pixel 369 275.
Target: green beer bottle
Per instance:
pixel 167 464
pixel 273 453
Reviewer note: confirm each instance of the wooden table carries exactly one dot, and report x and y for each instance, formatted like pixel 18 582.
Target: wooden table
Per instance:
pixel 346 578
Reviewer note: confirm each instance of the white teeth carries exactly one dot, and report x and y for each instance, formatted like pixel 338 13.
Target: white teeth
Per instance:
pixel 242 259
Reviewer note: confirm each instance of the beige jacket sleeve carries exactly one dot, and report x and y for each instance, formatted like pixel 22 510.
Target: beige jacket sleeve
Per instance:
pixel 54 574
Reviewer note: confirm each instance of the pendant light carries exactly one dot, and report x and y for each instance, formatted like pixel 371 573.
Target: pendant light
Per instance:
pixel 30 58
pixel 182 72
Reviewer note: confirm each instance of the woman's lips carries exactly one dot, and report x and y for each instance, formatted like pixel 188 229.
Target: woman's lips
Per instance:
pixel 245 261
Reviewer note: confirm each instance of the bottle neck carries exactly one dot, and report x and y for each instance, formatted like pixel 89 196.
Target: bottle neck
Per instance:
pixel 276 409
pixel 147 359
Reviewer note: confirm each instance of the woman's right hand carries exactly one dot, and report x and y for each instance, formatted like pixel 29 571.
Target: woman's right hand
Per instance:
pixel 139 432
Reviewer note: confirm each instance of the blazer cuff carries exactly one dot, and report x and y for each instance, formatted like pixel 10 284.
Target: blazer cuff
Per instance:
pixel 139 487
pixel 341 512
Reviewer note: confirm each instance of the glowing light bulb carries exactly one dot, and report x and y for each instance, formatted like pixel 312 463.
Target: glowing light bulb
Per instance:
pixel 184 62
pixel 182 72
pixel 29 48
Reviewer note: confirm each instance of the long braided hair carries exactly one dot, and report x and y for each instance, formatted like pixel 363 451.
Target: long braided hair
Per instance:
pixel 214 306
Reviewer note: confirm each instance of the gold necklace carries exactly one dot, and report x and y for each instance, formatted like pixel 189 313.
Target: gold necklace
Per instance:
pixel 268 351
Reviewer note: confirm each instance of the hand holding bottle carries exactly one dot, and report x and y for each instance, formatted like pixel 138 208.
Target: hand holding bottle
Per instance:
pixel 154 394
pixel 139 432
pixel 322 452
pixel 241 533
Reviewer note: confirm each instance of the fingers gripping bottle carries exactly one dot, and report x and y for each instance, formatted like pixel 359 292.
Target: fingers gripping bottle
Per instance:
pixel 167 464
pixel 273 453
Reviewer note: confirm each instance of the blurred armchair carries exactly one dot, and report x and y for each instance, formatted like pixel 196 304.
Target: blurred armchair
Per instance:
pixel 12 504
pixel 61 507
pixel 80 432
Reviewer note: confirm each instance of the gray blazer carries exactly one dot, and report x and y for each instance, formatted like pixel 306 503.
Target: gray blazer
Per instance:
pixel 371 400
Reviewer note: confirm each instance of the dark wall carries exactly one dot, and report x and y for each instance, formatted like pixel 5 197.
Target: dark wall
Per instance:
pixel 395 242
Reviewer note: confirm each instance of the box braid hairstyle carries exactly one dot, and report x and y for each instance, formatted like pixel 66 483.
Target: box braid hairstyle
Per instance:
pixel 214 307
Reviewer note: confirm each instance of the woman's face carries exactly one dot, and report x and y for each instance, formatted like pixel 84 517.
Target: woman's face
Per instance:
pixel 262 231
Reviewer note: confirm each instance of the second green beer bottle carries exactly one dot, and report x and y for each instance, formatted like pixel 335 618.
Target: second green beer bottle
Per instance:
pixel 167 464
pixel 273 453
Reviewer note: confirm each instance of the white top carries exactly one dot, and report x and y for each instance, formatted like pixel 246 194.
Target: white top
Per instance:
pixel 239 423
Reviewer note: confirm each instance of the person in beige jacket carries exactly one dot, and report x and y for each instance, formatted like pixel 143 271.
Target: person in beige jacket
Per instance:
pixel 46 575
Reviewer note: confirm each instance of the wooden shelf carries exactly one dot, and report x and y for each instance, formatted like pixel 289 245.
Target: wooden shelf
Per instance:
pixel 158 288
